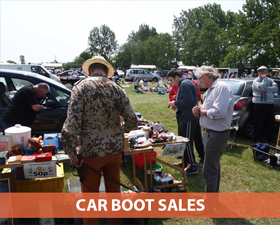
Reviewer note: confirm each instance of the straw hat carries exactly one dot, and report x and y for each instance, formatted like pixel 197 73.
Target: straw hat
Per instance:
pixel 101 60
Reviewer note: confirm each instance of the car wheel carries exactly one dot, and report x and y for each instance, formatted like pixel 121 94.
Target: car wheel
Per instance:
pixel 248 129
pixel 155 79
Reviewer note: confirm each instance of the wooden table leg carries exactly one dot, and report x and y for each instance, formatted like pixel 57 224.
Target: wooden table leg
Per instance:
pixel 183 173
pixel 278 139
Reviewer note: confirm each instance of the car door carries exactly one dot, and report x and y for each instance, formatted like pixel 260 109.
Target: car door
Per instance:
pixel 50 119
pixel 147 75
pixel 141 74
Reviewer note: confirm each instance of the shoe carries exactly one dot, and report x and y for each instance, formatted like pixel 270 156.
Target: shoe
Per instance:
pixel 191 169
pixel 177 164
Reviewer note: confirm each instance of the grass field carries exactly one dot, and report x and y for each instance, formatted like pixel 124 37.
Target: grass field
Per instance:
pixel 239 171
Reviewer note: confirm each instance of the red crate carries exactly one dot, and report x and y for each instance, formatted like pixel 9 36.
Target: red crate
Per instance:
pixel 139 159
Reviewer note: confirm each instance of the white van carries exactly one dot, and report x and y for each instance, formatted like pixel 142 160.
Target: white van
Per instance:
pixel 30 68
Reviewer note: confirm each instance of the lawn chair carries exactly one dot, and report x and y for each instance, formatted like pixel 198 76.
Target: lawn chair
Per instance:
pixel 233 129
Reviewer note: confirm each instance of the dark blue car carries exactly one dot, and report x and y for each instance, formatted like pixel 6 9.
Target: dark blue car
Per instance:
pixel 52 117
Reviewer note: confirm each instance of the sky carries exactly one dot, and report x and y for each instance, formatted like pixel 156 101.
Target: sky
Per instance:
pixel 44 31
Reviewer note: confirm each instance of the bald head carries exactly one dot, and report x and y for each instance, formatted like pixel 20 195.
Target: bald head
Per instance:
pixel 41 89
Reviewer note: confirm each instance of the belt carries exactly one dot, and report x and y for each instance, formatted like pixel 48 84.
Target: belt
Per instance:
pixel 206 130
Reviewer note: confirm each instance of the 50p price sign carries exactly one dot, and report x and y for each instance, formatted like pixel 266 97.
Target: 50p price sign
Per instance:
pixel 39 170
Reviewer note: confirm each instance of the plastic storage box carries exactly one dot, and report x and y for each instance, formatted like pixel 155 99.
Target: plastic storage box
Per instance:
pixel 52 184
pixel 258 154
pixel 139 159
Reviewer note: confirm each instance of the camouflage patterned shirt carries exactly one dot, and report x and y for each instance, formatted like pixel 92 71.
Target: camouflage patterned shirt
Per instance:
pixel 94 111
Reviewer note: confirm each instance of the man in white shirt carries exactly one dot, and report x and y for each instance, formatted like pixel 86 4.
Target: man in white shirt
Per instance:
pixel 215 118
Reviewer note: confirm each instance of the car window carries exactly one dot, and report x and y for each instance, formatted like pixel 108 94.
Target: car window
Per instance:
pixel 60 96
pixel 41 71
pixel 34 69
pixel 19 83
pixel 146 72
pixel 2 79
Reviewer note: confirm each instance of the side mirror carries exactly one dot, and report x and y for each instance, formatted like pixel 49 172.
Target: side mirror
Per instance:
pixel 51 104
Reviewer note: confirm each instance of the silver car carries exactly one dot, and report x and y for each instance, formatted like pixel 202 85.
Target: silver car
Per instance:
pixel 134 74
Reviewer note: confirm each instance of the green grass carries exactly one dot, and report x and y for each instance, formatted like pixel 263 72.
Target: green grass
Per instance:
pixel 239 171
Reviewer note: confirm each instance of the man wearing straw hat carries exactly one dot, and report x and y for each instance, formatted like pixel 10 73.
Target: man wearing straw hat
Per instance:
pixel 94 112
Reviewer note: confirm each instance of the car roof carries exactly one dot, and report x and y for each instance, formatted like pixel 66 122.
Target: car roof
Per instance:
pixel 33 76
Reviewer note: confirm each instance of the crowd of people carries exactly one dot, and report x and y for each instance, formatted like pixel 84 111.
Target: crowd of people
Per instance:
pixel 97 104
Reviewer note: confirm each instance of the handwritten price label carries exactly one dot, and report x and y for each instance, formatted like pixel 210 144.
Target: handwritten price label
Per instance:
pixel 39 170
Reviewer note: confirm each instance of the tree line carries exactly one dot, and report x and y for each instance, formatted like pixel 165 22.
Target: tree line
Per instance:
pixel 204 35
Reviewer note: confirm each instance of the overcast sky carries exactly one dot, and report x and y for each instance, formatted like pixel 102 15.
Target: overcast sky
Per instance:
pixel 43 31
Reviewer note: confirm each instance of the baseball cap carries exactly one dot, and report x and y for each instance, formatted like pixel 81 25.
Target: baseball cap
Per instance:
pixel 262 68
pixel 101 60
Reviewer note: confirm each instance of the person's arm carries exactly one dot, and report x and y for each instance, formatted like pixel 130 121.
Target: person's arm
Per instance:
pixel 37 107
pixel 186 96
pixel 130 118
pixel 273 87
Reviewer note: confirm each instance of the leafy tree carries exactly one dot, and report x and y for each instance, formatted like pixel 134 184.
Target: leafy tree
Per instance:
pixel 22 60
pixel 142 34
pixel 85 55
pixel 78 61
pixel 161 51
pixel 257 31
pixel 199 34
pixel 124 56
pixel 12 62
pixel 102 41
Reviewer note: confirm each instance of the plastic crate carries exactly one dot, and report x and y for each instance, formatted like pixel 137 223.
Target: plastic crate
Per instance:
pixel 139 159
pixel 52 184
pixel 270 154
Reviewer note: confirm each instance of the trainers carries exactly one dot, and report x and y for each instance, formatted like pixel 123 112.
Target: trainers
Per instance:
pixel 178 164
pixel 191 169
